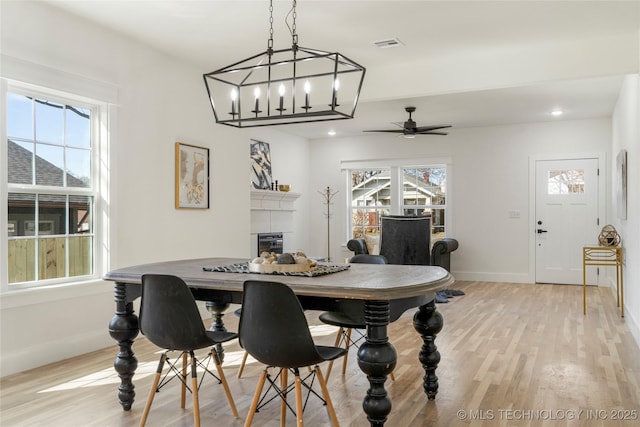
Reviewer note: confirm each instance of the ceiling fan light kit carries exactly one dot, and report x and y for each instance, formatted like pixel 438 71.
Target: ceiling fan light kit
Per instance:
pixel 285 86
pixel 410 128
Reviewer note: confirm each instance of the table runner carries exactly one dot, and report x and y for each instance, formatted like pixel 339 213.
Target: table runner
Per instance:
pixel 243 267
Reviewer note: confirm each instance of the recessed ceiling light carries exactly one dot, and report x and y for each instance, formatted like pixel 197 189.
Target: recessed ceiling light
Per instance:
pixel 332 133
pixel 556 113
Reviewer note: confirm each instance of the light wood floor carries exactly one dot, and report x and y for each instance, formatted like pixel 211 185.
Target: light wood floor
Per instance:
pixel 512 354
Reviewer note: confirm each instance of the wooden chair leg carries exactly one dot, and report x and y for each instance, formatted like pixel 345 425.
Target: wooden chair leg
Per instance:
pixel 153 391
pixel 183 389
pixel 224 382
pixel 299 410
pixel 244 361
pixel 256 399
pixel 335 344
pixel 347 343
pixel 325 393
pixel 194 391
pixel 284 379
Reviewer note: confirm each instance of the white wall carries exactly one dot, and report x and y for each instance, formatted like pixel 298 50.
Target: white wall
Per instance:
pixel 160 100
pixel 626 136
pixel 489 176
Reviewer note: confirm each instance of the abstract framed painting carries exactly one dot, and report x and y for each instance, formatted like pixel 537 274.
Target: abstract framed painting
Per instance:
pixel 260 167
pixel 192 177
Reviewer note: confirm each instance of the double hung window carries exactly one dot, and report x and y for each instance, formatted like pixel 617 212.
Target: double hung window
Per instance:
pixel 51 188
pixel 396 190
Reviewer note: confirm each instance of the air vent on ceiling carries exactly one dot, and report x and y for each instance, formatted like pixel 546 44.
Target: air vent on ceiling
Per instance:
pixel 387 43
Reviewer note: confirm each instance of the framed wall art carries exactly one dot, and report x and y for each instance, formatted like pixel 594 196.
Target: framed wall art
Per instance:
pixel 192 176
pixel 260 165
pixel 621 184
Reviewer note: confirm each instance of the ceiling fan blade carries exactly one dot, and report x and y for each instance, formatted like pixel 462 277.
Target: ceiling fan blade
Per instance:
pixel 432 127
pixel 386 130
pixel 431 133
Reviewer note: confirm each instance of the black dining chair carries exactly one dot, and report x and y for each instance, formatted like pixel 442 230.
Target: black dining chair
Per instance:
pixel 170 319
pixel 274 330
pixel 348 322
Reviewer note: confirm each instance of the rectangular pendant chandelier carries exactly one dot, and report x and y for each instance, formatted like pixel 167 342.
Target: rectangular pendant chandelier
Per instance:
pixel 285 86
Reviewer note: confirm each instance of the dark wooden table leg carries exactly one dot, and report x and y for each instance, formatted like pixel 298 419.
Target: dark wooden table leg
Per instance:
pixel 124 328
pixel 428 322
pixel 377 358
pixel 217 310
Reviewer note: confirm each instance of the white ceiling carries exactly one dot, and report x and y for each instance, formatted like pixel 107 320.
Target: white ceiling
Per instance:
pixel 198 31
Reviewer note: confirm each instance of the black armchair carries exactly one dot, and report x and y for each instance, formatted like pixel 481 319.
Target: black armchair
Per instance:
pixel 401 251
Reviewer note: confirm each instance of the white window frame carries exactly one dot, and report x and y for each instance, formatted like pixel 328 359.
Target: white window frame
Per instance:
pixel 395 167
pixel 20 76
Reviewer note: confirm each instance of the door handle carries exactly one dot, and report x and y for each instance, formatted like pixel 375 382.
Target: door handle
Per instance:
pixel 540 231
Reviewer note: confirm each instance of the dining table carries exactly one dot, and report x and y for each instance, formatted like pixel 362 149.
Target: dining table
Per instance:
pixel 377 291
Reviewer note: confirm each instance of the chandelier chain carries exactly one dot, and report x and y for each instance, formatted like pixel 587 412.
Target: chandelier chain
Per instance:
pixel 270 42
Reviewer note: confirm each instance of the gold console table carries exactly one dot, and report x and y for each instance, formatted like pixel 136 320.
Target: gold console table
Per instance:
pixel 603 256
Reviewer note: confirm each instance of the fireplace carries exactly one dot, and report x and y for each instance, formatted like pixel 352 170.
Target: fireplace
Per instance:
pixel 269 242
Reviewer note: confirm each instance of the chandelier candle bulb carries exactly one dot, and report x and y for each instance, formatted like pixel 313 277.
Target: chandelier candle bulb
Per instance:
pixel 281 92
pixel 234 96
pixel 307 89
pixel 336 86
pixel 256 93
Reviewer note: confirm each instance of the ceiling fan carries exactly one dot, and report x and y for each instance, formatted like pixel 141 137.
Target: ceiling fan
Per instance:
pixel 410 129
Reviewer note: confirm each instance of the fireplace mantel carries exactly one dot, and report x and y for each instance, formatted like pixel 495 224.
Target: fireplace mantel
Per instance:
pixel 273 200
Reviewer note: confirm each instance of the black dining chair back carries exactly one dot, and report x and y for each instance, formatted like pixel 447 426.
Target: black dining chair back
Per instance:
pixel 169 316
pixel 368 259
pixel 274 330
pixel 170 319
pixel 273 323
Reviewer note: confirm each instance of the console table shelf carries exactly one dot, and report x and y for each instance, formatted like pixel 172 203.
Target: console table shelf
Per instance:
pixel 603 256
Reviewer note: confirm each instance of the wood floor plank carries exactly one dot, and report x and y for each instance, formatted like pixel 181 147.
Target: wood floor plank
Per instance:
pixel 512 355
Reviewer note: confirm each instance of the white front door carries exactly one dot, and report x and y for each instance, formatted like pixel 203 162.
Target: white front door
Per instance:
pixel 566 218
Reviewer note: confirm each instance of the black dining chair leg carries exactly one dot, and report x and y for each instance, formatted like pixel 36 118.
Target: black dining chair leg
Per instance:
pixel 256 399
pixel 154 390
pixel 325 392
pixel 223 380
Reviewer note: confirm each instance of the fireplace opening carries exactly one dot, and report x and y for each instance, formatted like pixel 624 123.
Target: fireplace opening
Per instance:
pixel 269 242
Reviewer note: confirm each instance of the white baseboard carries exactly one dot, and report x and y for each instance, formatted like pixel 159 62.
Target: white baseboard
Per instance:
pixel 64 347
pixel 492 277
